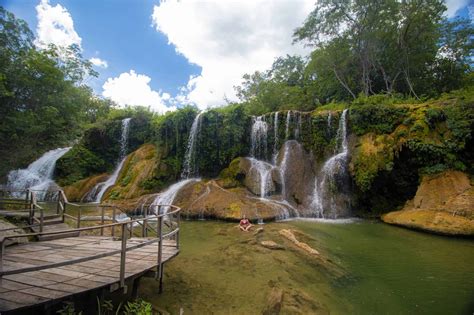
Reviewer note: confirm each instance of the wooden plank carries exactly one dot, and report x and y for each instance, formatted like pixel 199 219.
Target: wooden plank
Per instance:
pixel 63 272
pixel 69 288
pixel 7 305
pixel 27 280
pixel 84 283
pixel 9 285
pixel 23 298
pixel 45 293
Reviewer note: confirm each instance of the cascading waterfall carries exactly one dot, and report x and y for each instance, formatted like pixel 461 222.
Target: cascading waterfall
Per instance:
pixel 329 123
pixel 259 137
pixel 275 137
pixel 98 191
pixel 299 123
pixel 189 166
pixel 189 169
pixel 283 170
pixel 167 197
pixel 287 125
pixel 323 200
pixel 38 175
pixel 264 172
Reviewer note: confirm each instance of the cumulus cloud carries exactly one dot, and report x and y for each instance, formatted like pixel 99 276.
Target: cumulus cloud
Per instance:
pixel 130 88
pixel 55 26
pixel 228 39
pixel 99 62
pixel 454 6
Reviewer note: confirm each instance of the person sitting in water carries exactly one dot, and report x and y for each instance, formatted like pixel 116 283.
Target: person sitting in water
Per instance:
pixel 245 224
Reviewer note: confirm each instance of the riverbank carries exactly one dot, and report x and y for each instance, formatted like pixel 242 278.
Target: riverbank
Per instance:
pixel 378 269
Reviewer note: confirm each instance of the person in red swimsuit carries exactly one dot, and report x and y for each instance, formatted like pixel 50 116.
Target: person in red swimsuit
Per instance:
pixel 245 224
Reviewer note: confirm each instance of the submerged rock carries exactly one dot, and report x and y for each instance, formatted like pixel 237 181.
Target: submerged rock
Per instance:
pixel 305 247
pixel 274 302
pixel 271 245
pixel 444 204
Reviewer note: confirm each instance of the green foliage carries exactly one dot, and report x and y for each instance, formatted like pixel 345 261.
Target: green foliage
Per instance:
pixel 77 164
pixel 380 118
pixel 43 103
pixel 138 307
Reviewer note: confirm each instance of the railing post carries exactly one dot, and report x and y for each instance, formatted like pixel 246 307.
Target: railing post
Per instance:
pixel 63 197
pixel 113 221
pixel 144 228
pixel 159 268
pixel 178 220
pixel 41 220
pixel 123 255
pixel 102 221
pixel 58 205
pixel 27 204
pixel 131 228
pixel 2 253
pixel 79 217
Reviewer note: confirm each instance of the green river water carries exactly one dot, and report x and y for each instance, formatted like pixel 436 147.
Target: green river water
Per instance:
pixel 388 270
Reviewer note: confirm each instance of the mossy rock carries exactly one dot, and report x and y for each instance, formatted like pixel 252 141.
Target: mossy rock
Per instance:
pixel 138 170
pixel 232 176
pixel 76 191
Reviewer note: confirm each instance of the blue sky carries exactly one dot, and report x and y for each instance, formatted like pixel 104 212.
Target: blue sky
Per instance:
pixel 163 54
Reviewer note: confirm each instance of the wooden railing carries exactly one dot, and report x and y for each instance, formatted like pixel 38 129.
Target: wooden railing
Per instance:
pixel 170 219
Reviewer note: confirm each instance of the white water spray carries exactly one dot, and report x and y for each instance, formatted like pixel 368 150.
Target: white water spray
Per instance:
pixel 189 166
pixel 98 191
pixel 38 175
pixel 259 137
pixel 323 200
pixel 167 197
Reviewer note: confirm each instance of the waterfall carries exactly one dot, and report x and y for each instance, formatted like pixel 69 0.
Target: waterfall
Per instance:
pixel 323 199
pixel 287 126
pixel 283 169
pixel 98 191
pixel 299 123
pixel 189 166
pixel 259 137
pixel 275 137
pixel 189 169
pixel 38 175
pixel 329 123
pixel 264 172
pixel 167 197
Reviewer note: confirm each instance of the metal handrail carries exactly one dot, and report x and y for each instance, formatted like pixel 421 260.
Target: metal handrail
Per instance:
pixel 177 209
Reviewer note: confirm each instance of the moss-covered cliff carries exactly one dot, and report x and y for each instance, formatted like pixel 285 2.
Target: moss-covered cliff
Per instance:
pixel 392 145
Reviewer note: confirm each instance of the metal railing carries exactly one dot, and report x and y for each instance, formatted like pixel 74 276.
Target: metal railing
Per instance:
pixel 169 220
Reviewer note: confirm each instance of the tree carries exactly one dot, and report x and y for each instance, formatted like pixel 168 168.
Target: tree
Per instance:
pixel 384 46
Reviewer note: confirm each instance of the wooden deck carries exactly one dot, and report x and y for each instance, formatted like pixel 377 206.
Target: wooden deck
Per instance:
pixel 37 287
pixel 60 262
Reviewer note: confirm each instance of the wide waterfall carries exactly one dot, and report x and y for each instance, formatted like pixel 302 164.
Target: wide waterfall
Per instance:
pixel 189 166
pixel 98 191
pixel 333 175
pixel 39 174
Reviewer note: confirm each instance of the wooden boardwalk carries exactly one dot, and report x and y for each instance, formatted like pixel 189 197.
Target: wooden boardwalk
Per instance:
pixel 59 262
pixel 38 287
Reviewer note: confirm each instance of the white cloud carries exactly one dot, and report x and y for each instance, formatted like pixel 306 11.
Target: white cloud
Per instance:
pixel 130 88
pixel 55 26
pixel 455 5
pixel 99 62
pixel 228 39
